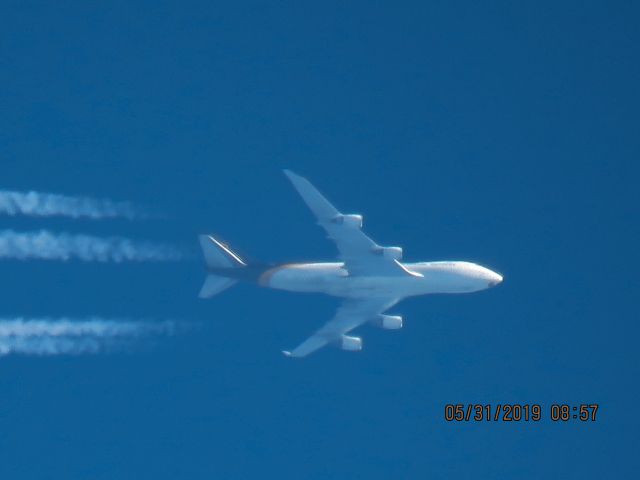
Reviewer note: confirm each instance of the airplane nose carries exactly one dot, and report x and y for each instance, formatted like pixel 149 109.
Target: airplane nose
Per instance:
pixel 495 279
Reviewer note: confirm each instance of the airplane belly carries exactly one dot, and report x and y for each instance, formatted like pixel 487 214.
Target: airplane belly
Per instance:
pixel 315 277
pixel 368 287
pixel 332 279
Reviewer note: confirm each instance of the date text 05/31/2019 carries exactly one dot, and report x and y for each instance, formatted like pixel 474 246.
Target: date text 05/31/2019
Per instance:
pixel 520 412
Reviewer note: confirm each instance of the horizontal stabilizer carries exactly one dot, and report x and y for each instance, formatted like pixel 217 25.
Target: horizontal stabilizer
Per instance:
pixel 217 254
pixel 215 284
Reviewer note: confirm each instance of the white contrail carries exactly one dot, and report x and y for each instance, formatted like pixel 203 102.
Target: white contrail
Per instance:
pixel 50 204
pixel 47 336
pixel 45 245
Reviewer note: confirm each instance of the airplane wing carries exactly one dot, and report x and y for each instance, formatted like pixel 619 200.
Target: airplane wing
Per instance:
pixel 361 255
pixel 351 314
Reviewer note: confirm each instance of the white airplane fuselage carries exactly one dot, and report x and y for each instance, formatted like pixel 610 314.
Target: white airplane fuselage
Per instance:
pixel 333 279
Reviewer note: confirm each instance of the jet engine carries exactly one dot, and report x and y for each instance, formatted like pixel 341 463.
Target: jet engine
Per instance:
pixel 352 344
pixel 394 253
pixel 388 322
pixel 351 220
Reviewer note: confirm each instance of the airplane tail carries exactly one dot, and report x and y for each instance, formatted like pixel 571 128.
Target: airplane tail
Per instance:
pixel 217 256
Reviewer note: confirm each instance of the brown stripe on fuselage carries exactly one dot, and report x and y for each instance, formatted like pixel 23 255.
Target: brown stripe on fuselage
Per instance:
pixel 265 279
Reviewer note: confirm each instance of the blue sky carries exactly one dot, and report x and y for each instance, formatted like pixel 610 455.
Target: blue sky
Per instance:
pixel 498 132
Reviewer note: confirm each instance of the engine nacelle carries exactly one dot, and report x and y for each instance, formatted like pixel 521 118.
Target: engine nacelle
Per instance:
pixel 394 253
pixel 388 322
pixel 352 344
pixel 351 220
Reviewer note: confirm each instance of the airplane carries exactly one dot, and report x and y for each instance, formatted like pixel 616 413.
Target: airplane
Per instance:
pixel 368 277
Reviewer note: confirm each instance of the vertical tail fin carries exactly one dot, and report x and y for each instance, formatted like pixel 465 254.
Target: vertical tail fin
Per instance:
pixel 217 255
